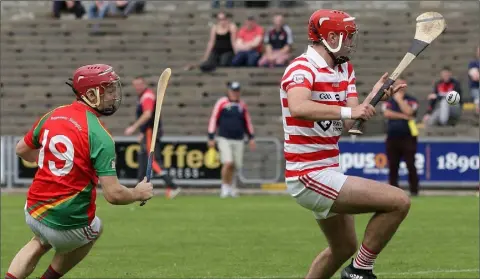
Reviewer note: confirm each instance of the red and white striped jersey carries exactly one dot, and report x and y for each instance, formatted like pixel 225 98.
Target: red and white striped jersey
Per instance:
pixel 311 145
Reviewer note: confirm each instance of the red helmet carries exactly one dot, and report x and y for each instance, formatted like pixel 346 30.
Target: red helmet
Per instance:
pixel 323 22
pixel 98 79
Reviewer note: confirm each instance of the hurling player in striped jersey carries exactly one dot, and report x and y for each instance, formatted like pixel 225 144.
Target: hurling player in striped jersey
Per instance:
pixel 319 99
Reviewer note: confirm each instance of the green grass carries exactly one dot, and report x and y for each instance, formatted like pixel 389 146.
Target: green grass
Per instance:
pixel 254 236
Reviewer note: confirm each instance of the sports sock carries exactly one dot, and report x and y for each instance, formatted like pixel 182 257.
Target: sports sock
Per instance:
pixel 364 259
pixel 10 276
pixel 168 181
pixel 50 273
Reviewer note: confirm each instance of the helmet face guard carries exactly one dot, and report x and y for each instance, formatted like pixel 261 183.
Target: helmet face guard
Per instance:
pixel 111 99
pixel 346 47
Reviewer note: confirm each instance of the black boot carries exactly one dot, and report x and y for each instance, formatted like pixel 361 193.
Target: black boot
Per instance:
pixel 350 272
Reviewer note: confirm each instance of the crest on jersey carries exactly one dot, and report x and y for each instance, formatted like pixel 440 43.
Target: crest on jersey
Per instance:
pixel 113 164
pixel 298 78
pixel 325 124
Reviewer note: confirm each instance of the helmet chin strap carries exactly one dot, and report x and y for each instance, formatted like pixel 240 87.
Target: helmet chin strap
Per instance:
pixel 330 51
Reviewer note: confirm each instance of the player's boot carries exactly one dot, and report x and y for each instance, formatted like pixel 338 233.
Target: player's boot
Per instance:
pixel 234 192
pixel 172 189
pixel 350 272
pixel 174 192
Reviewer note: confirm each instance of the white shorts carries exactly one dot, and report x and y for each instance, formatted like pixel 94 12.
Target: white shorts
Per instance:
pixel 317 190
pixel 64 241
pixel 231 151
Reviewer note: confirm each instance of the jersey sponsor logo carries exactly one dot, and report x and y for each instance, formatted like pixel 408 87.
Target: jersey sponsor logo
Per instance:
pixel 325 96
pixel 325 124
pixel 336 125
pixel 298 78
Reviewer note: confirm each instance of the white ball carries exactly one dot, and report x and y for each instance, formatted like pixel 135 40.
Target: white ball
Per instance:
pixel 453 97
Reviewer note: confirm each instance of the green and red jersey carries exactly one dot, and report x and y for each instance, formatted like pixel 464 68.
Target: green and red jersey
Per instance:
pixel 75 149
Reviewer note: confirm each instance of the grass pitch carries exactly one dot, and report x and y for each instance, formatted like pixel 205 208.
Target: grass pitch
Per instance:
pixel 253 237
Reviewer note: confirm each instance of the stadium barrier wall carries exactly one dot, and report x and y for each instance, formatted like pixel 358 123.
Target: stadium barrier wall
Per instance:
pixel 450 163
pixel 184 158
pixel 440 162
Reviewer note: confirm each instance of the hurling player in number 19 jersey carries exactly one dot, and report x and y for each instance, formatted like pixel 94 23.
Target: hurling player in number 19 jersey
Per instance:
pixel 319 99
pixel 74 153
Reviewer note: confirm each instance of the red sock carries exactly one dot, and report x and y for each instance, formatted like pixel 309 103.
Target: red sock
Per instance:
pixel 364 259
pixel 51 274
pixel 10 276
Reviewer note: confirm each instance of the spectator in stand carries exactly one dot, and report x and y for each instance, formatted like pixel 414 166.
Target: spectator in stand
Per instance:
pixel 124 8
pixel 257 4
pixel 216 4
pixel 473 77
pixel 74 7
pixel 278 44
pixel 248 44
pixel 219 50
pixel 439 111
pixel 100 9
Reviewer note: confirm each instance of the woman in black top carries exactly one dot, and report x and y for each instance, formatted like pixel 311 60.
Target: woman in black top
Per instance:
pixel 219 50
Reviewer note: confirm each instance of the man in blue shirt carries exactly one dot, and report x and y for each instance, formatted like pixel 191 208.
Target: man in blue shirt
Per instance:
pixel 400 142
pixel 278 44
pixel 229 123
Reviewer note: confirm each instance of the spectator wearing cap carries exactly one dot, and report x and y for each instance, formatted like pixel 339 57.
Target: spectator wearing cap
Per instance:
pixel 278 44
pixel 228 124
pixel 248 45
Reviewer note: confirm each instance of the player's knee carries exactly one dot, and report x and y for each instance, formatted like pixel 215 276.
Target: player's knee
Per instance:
pixel 229 165
pixel 403 203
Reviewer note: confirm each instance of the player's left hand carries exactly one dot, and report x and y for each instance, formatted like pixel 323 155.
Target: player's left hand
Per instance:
pixel 252 145
pixel 129 131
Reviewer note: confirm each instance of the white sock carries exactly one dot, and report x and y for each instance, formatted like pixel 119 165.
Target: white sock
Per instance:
pixel 365 258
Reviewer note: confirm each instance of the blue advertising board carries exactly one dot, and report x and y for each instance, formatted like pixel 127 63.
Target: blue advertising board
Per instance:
pixel 445 162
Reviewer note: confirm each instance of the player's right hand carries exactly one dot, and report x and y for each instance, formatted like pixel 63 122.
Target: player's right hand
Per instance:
pixel 363 111
pixel 144 190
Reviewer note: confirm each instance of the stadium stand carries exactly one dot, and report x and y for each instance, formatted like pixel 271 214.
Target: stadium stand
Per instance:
pixel 39 54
